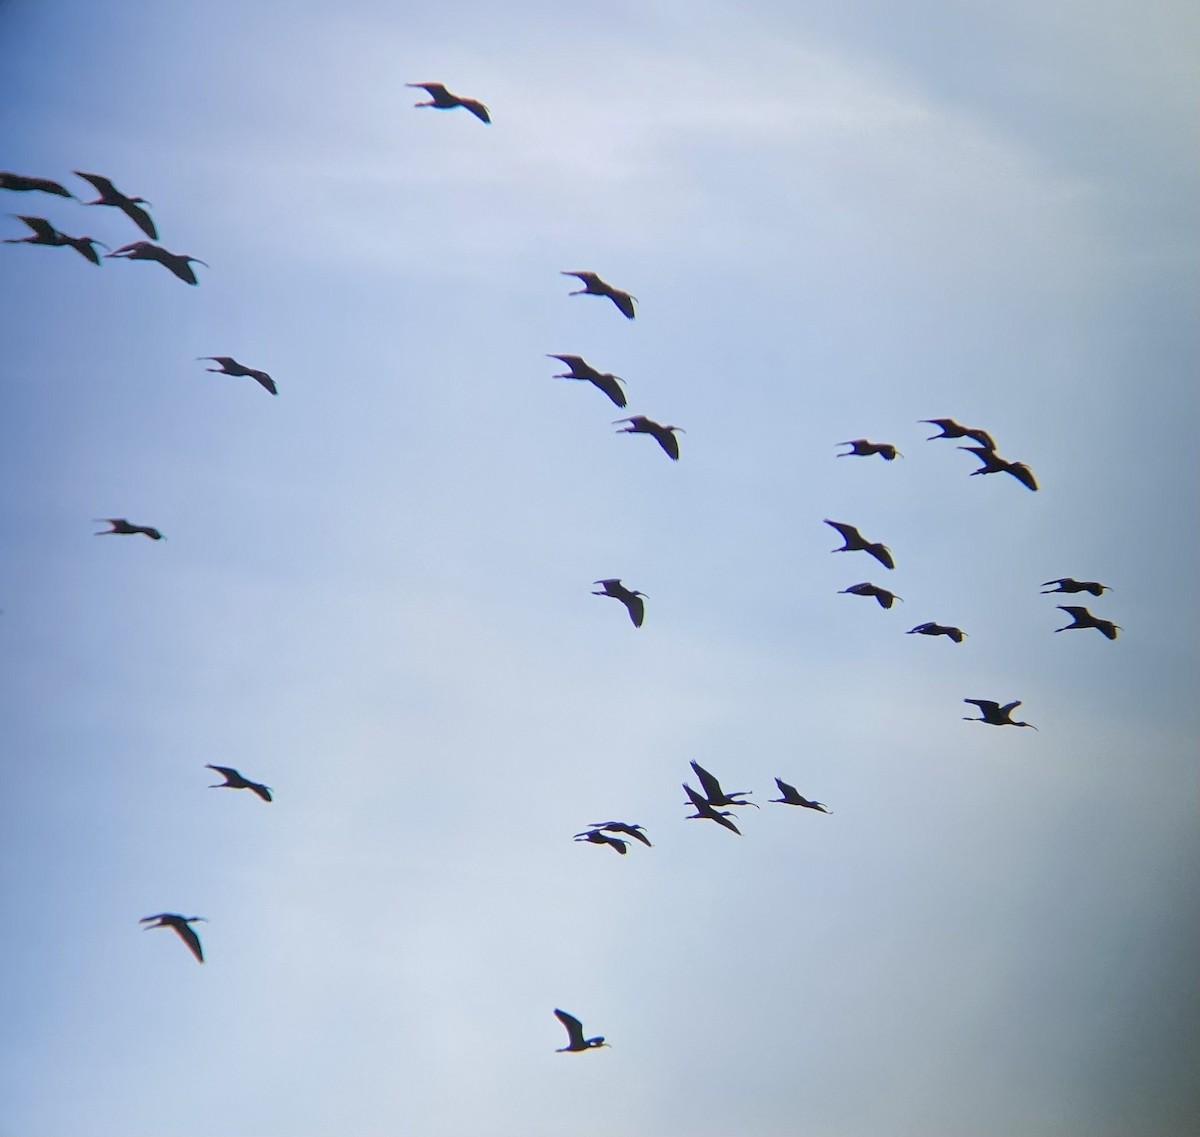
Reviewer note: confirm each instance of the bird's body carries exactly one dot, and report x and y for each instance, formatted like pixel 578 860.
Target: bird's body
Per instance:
pixel 884 597
pixel 1068 584
pixel 576 1041
pixel 1082 618
pixel 594 286
pixel 994 464
pixel 631 598
pixel 929 628
pixel 130 206
pixel 178 263
pixel 123 528
pixel 443 100
pixel 182 925
pixel 663 435
pixel 855 542
pixel 713 792
pixel 996 715
pixel 46 234
pixel 227 365
pixel 792 796
pixel 235 781
pixel 951 429
pixel 861 448
pixel 705 812
pixel 23 184
pixel 595 837
pixel 603 380
pixel 635 831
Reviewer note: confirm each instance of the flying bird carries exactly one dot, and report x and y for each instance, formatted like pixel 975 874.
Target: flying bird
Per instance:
pixel 951 429
pixel 575 1034
pixel 444 100
pixel 130 206
pixel 714 793
pixel 792 796
pixel 635 831
pixel 594 286
pixel 663 435
pixel 996 715
pixel 855 543
pixel 178 263
pixel 45 234
pixel 929 628
pixel 598 838
pixel 235 781
pixel 1067 584
pixel 632 599
pixel 22 184
pixel 884 597
pixel 994 464
pixel 227 365
pixel 124 528
pixel 603 380
pixel 705 812
pixel 860 447
pixel 181 925
pixel 1082 618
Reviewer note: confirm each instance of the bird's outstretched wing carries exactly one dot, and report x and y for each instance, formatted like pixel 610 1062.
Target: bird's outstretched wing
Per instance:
pixel 476 108
pixel 190 938
pixel 41 227
pixel 985 704
pixel 849 532
pixel 573 1025
pixel 712 787
pixel 227 772
pixel 263 792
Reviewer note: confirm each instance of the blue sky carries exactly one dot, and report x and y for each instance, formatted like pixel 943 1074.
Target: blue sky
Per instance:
pixel 375 590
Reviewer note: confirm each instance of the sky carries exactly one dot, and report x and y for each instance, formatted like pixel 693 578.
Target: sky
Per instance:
pixel 374 594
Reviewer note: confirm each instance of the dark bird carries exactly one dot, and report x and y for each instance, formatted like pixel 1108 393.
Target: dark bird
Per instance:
pixel 45 234
pixel 861 448
pixel 855 543
pixel 663 435
pixel 713 791
pixel 23 184
pixel 705 812
pixel 1067 584
pixel 181 925
pixel 444 100
pixel 792 796
pixel 635 831
pixel 632 599
pixel 884 597
pixel 575 1034
pixel 929 628
pixel 996 715
pixel 1082 618
pixel 994 464
pixel 179 263
pixel 130 206
pixel 594 286
pixel 604 380
pixel 125 529
pixel 598 838
pixel 951 429
pixel 230 366
pixel 235 781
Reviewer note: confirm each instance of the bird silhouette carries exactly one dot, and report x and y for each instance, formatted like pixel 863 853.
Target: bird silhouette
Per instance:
pixel 1082 618
pixel 575 1034
pixel 951 429
pixel 713 792
pixel 123 528
pixel 635 831
pixel 227 365
pixel 443 100
pixel 663 435
pixel 1068 584
pixel 178 263
pixel 45 234
pixel 884 597
pixel 632 599
pixel 130 206
pixel 181 924
pixel 929 628
pixel 603 380
pixel 861 448
pixel 792 796
pixel 594 286
pixel 22 184
pixel 598 838
pixel 235 781
pixel 994 464
pixel 705 812
pixel 855 543
pixel 996 715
